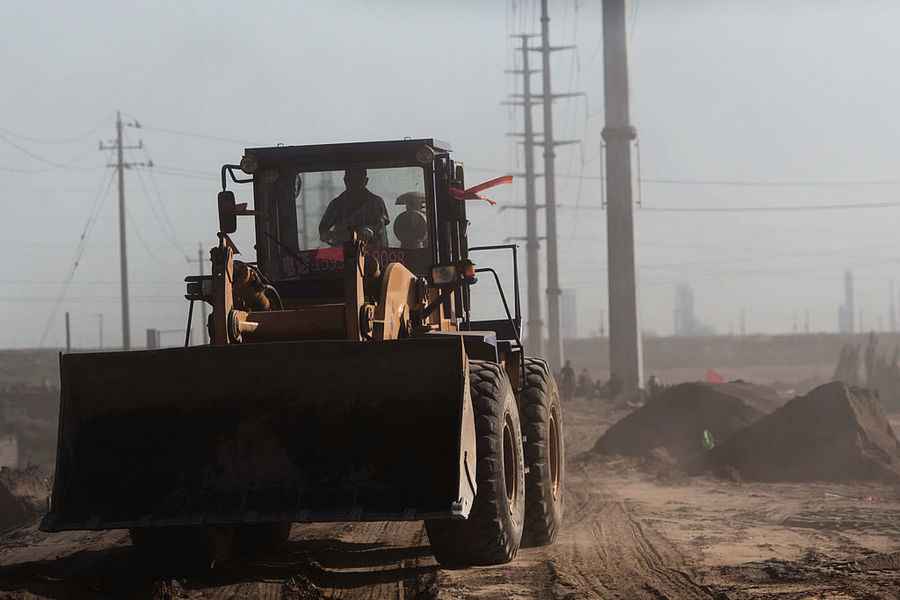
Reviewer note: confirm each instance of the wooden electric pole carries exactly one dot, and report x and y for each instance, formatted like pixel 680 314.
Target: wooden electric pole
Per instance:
pixel 534 321
pixel 120 166
pixel 534 325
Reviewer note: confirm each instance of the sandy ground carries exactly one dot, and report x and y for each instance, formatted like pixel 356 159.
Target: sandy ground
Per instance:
pixel 631 531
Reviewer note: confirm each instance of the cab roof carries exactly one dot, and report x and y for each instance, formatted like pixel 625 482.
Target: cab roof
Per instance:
pixel 326 157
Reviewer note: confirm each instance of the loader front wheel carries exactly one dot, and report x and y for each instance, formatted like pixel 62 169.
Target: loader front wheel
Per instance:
pixel 544 454
pixel 492 533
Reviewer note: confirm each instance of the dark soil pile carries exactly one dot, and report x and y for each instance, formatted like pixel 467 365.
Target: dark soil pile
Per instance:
pixel 673 424
pixel 23 496
pixel 834 433
pixel 760 397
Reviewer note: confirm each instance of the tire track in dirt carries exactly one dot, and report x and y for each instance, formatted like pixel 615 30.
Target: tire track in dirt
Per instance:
pixel 605 552
pixel 342 561
pixel 368 561
pixel 355 561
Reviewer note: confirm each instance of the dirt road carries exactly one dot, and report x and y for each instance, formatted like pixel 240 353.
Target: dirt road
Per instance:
pixel 631 532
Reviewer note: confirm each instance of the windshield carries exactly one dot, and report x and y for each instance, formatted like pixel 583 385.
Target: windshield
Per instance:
pixel 319 210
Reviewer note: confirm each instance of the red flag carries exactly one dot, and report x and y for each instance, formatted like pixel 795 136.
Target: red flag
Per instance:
pixel 713 377
pixel 472 192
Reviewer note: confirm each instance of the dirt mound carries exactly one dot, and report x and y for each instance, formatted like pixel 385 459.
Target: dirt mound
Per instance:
pixel 834 433
pixel 23 495
pixel 674 424
pixel 761 397
pixel 37 439
pixel 14 511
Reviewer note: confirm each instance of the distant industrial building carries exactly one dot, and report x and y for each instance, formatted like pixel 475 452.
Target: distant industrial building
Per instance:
pixel 685 319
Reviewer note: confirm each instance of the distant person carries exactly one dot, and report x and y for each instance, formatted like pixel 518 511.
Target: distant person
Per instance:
pixel 567 381
pixel 356 207
pixel 585 385
pixel 654 387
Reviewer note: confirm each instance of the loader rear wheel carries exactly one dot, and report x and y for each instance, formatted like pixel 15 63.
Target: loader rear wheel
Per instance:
pixel 492 533
pixel 544 454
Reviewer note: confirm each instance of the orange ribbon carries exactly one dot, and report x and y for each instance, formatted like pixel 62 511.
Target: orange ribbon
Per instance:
pixel 472 192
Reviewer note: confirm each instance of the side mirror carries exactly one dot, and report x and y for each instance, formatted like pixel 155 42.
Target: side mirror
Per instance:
pixel 227 212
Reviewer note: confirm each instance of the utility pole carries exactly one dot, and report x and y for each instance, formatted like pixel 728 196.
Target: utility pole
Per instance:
pixel 625 352
pixel 68 335
pixel 100 337
pixel 534 324
pixel 121 165
pixel 555 351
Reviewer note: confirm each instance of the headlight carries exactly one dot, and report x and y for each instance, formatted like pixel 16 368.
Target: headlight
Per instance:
pixel 443 274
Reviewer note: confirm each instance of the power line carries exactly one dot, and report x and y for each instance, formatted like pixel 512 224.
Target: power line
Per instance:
pixel 65 140
pixel 773 183
pixel 91 298
pixel 202 136
pixel 90 282
pixel 38 157
pixel 791 208
pixel 79 252
pixel 725 182
pixel 172 173
pixel 140 237
pixel 167 226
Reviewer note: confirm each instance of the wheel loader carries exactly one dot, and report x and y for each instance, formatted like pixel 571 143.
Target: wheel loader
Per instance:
pixel 345 378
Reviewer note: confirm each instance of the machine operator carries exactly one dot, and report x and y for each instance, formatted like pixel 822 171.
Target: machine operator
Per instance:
pixel 356 207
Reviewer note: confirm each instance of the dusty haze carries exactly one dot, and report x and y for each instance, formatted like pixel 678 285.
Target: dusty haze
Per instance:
pixel 729 90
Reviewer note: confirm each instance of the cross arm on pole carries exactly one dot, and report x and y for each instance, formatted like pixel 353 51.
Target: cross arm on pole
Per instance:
pixel 520 102
pixel 551 48
pixel 520 207
pixel 567 95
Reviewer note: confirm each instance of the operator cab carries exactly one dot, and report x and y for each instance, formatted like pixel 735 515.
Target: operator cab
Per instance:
pixel 307 200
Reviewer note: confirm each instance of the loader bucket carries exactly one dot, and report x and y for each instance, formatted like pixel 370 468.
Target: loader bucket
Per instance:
pixel 270 432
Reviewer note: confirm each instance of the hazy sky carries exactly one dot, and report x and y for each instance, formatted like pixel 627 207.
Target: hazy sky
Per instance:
pixel 725 90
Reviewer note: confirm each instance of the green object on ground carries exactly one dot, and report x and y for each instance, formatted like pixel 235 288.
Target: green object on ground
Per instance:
pixel 708 441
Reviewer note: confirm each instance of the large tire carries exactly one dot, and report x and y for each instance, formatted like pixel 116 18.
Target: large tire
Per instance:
pixel 545 456
pixel 492 533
